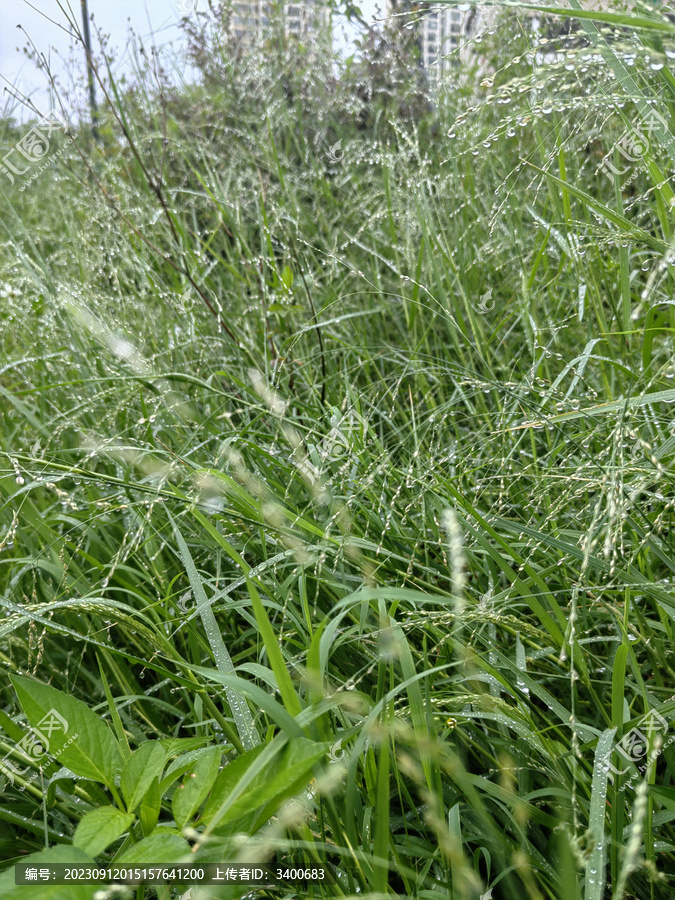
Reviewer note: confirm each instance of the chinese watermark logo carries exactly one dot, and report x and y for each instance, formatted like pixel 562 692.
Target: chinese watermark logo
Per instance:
pixel 336 753
pixel 187 301
pixel 185 602
pixel 633 145
pixel 336 446
pixel 35 744
pixel 634 746
pixel 32 148
pixel 336 153
pixel 338 442
pixel 485 304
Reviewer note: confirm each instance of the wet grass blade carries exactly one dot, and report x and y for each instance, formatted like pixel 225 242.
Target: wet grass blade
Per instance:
pixel 594 883
pixel 241 713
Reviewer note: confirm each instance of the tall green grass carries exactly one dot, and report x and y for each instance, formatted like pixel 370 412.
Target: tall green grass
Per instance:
pixel 345 485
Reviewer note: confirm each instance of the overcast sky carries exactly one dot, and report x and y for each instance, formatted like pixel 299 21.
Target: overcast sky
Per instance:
pixel 44 24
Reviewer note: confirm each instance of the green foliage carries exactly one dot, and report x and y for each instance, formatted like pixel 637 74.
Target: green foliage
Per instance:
pixel 99 828
pixel 95 753
pixel 143 766
pixel 337 485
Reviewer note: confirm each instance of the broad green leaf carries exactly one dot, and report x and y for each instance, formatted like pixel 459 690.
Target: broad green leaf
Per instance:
pixel 150 807
pixel 10 727
pixel 176 746
pixel 158 848
pixel 232 775
pixel 255 785
pixel 77 736
pixel 180 765
pixel 62 854
pixel 144 764
pixel 197 783
pixel 99 828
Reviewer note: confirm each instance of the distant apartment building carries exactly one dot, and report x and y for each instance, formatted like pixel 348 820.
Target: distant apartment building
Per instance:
pixel 309 20
pixel 440 32
pixel 446 34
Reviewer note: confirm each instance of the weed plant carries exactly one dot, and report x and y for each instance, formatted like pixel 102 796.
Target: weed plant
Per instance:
pixel 337 470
